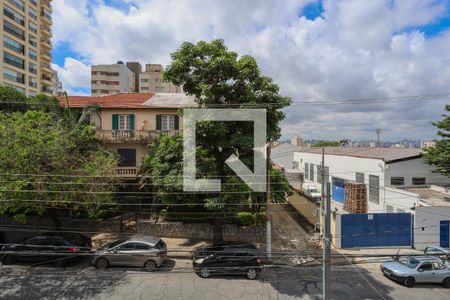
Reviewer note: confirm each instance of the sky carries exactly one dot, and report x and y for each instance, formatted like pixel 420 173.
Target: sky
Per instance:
pixel 314 50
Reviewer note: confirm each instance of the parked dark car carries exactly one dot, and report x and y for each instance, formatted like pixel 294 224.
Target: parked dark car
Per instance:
pixel 227 260
pixel 52 249
pixel 72 237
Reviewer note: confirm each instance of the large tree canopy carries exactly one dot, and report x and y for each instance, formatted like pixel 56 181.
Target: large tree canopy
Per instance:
pixel 439 155
pixel 219 78
pixel 50 164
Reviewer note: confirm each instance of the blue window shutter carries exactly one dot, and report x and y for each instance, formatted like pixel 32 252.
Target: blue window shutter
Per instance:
pixel 177 122
pixel 132 121
pixel 158 122
pixel 115 122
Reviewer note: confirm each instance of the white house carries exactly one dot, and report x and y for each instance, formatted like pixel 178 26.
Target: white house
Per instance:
pixel 385 171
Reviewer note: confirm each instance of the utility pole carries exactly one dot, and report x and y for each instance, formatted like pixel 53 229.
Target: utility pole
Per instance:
pixel 326 236
pixel 268 217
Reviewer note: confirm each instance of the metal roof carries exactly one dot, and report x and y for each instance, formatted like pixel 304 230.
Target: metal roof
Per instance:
pixel 385 154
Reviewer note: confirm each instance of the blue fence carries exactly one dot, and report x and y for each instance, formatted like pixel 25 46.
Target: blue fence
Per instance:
pixel 376 230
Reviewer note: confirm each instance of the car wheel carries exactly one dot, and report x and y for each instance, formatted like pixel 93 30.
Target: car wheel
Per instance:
pixel 8 259
pixel 409 282
pixel 251 274
pixel 205 273
pixel 446 283
pixel 102 263
pixel 150 266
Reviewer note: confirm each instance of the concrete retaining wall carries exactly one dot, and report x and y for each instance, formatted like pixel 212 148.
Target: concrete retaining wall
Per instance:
pixel 16 231
pixel 201 231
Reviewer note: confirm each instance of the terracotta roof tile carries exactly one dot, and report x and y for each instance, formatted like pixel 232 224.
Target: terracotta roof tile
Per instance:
pixel 120 100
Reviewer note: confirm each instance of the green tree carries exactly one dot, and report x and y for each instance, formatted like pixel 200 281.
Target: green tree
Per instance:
pixel 439 155
pixel 165 166
pixel 219 78
pixel 60 167
pixel 12 100
pixel 326 144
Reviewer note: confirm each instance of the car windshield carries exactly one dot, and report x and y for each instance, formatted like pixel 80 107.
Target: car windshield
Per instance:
pixel 410 262
pixel 313 190
pixel 161 245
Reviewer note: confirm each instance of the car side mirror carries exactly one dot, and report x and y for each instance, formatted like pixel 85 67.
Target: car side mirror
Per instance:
pixel 420 270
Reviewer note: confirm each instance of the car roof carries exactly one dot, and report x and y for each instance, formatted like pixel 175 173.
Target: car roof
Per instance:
pixel 447 250
pixel 231 247
pixel 426 258
pixel 149 239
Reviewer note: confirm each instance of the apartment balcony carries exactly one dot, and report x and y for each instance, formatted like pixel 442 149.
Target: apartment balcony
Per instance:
pixel 46 68
pixel 46 16
pixel 46 30
pixel 46 90
pixel 47 4
pixel 46 55
pixel 47 78
pixel 47 43
pixel 126 172
pixel 132 136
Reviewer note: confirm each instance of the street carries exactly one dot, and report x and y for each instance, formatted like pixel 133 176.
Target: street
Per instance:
pixel 177 281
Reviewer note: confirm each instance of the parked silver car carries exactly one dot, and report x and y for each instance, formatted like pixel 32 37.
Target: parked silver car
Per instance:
pixel 142 251
pixel 418 269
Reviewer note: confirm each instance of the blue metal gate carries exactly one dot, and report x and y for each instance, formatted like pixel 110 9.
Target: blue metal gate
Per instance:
pixel 376 230
pixel 444 234
pixel 338 190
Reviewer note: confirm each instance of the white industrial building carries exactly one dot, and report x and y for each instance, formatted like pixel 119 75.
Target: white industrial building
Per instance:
pixel 387 172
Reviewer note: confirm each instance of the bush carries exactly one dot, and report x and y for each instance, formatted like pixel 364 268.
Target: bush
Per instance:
pixel 246 218
pixel 260 218
pixel 163 213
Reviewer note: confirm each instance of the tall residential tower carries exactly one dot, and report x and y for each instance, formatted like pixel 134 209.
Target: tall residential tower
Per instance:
pixel 26 46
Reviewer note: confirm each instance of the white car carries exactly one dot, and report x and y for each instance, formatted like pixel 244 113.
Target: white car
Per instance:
pixel 418 269
pixel 312 192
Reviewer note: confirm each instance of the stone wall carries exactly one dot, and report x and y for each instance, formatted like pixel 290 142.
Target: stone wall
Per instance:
pixel 202 231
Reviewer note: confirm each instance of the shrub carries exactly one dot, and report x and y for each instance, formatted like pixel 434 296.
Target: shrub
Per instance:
pixel 163 213
pixel 245 218
pixel 260 218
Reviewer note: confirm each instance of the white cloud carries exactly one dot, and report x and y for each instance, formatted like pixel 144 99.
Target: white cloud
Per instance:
pixel 74 74
pixel 356 49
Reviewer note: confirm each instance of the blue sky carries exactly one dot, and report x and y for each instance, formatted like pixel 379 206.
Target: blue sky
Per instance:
pixel 313 49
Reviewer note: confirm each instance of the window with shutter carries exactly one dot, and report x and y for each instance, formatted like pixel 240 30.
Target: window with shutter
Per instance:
pixel 115 122
pixel 158 122
pixel 374 189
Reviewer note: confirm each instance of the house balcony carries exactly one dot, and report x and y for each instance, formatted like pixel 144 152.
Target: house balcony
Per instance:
pixel 126 172
pixel 131 136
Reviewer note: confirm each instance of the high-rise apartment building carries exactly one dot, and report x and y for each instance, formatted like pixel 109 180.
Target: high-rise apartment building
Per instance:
pixel 26 46
pixel 136 68
pixel 151 81
pixel 112 79
pixel 297 141
pixel 57 87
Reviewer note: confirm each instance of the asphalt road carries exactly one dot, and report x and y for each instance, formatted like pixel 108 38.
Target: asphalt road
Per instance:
pixel 177 281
